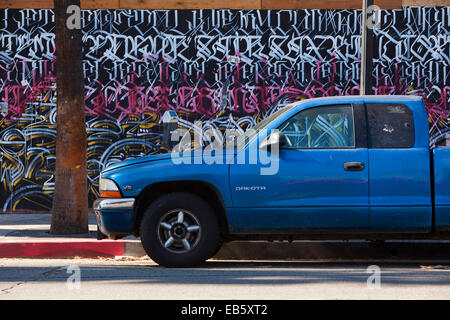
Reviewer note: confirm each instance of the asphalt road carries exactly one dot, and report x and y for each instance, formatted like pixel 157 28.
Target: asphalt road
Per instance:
pixel 142 279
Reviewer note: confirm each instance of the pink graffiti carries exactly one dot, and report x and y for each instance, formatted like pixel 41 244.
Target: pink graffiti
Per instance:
pixel 20 94
pixel 121 99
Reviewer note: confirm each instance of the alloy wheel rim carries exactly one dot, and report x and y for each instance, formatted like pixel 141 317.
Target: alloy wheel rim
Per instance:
pixel 179 231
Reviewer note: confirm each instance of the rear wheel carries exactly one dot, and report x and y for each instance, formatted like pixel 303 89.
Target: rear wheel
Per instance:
pixel 179 230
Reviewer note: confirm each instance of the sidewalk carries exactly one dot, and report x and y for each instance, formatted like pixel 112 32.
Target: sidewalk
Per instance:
pixel 27 236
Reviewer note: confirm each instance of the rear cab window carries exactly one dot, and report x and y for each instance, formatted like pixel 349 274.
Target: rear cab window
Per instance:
pixel 390 125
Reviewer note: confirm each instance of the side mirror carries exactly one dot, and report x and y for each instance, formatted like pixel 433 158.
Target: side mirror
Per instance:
pixel 3 108
pixel 275 138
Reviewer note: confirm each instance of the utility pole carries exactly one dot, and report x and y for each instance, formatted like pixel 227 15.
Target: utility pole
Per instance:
pixel 367 48
pixel 70 199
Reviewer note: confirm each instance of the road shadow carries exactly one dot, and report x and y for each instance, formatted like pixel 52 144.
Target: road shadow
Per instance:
pixel 233 273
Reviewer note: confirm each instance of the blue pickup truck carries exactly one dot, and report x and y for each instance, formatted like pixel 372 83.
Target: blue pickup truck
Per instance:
pixel 353 167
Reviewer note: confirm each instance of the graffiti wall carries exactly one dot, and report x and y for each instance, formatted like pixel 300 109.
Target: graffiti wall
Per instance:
pixel 226 68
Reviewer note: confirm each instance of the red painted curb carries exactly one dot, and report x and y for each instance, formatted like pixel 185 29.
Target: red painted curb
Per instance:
pixel 61 249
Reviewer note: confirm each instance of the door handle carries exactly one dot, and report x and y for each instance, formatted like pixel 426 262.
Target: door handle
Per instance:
pixel 354 166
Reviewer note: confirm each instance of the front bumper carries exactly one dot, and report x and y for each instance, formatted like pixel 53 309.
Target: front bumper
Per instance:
pixel 114 216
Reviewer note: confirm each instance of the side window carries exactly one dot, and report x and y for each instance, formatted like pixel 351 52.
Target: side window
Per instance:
pixel 390 125
pixel 321 127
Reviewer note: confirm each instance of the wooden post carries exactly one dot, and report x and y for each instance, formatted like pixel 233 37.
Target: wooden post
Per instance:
pixel 70 198
pixel 367 51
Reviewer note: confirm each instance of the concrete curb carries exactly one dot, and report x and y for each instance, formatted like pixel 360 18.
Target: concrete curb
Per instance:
pixel 62 249
pixel 336 250
pixel 239 250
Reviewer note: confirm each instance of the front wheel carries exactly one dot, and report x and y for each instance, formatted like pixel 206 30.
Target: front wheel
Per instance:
pixel 179 230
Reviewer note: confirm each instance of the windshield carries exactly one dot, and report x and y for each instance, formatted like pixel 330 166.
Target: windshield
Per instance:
pixel 253 131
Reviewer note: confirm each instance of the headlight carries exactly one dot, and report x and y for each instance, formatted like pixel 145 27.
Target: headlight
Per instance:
pixel 108 189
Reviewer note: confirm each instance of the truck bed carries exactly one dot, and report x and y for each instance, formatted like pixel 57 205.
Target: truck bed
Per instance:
pixel 441 164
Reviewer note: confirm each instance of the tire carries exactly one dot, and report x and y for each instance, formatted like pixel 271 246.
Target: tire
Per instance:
pixel 216 250
pixel 179 230
pixel 100 235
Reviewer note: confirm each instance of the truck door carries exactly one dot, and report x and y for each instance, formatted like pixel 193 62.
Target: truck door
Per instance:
pixel 322 180
pixel 400 192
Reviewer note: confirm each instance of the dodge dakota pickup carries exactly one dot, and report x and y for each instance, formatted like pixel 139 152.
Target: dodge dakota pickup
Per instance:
pixel 351 167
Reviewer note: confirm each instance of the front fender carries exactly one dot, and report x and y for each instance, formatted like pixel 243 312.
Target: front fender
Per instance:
pixel 133 179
